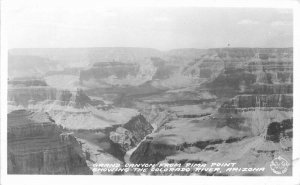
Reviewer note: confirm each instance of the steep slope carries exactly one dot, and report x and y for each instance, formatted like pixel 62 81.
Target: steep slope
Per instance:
pixel 131 133
pixel 36 145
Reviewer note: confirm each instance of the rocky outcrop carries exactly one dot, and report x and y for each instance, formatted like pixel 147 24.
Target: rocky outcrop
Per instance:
pixel 157 115
pixel 123 137
pixel 36 145
pixel 139 127
pixel 131 133
pixel 279 130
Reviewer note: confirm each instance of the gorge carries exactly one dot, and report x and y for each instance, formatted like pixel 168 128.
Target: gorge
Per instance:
pixel 139 105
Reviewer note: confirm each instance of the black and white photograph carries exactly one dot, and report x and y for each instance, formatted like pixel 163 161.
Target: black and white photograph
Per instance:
pixel 148 90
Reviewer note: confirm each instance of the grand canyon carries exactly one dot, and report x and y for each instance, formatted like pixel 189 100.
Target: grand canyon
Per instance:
pixel 70 109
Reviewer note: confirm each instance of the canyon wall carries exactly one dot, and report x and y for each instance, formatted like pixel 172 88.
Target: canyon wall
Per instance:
pixel 253 121
pixel 187 105
pixel 131 133
pixel 24 96
pixel 36 145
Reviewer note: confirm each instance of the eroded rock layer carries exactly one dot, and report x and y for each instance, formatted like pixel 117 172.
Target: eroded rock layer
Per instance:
pixel 131 133
pixel 182 106
pixel 36 145
pixel 252 123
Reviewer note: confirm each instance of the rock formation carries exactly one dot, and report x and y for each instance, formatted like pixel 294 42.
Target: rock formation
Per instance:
pixel 180 106
pixel 279 130
pixel 131 133
pixel 252 123
pixel 36 145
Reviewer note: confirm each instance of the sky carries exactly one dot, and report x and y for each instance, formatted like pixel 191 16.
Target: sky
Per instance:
pixel 42 24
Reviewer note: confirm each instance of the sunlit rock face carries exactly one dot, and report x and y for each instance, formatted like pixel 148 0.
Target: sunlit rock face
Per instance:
pixel 36 145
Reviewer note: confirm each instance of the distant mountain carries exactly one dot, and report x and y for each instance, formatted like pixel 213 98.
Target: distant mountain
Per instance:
pixel 41 61
pixel 83 56
pixel 30 66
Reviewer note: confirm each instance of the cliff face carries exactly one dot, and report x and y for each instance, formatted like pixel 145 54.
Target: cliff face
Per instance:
pixel 245 71
pixel 107 74
pixel 131 133
pixel 253 119
pixel 273 100
pixel 139 127
pixel 268 96
pixel 71 109
pixel 24 96
pixel 272 88
pixel 225 105
pixel 105 69
pixel 37 146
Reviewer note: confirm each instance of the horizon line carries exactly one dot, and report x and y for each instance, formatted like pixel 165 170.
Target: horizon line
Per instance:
pixel 164 50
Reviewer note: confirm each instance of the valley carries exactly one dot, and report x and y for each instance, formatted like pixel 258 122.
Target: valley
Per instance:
pixel 87 106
